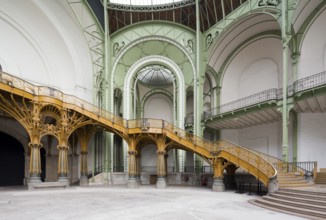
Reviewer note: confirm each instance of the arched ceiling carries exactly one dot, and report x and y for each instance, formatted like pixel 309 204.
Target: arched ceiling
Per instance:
pixel 240 32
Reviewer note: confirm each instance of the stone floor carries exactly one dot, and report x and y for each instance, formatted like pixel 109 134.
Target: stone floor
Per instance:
pixel 118 203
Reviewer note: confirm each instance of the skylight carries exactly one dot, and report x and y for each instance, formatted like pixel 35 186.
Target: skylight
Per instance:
pixel 143 2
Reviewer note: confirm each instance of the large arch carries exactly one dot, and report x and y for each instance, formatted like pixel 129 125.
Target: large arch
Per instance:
pixel 128 83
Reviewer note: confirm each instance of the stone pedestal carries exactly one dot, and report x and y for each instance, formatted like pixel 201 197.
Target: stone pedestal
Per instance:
pixel 35 179
pixel 132 183
pixel 161 183
pixel 63 179
pixel 138 180
pixel 273 186
pixel 218 185
pixel 178 178
pixel 83 181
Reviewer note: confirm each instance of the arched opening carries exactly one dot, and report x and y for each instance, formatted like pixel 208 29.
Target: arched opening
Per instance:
pixel 12 161
pixel 49 159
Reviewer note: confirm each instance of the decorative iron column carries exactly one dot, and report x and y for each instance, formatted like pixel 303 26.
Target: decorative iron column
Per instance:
pixel 132 183
pixel 132 165
pixel 35 163
pixel 161 163
pixel 83 169
pixel 63 164
pixel 218 185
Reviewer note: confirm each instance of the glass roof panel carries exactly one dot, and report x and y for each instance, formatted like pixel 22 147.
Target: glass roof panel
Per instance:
pixel 155 76
pixel 143 2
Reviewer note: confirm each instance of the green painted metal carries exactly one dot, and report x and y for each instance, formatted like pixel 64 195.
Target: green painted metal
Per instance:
pixel 285 40
pixel 250 7
pixel 294 136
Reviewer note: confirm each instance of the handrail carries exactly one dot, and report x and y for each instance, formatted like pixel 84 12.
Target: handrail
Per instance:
pixel 285 167
pixel 252 157
pixel 211 147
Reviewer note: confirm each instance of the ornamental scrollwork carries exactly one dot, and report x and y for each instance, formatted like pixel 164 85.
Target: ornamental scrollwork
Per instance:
pixel 188 45
pixel 117 47
pixel 268 2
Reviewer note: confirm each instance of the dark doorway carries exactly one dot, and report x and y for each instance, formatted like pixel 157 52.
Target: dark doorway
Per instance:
pixel 12 161
pixel 43 164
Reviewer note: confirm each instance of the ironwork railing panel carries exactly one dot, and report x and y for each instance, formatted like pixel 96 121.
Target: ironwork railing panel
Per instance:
pixel 268 95
pixel 250 157
pixel 309 82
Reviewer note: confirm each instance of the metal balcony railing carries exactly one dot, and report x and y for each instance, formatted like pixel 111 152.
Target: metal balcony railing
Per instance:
pixel 300 85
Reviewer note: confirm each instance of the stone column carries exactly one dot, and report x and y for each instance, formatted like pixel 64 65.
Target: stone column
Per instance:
pixel 83 169
pixel 63 164
pixel 132 183
pixel 218 185
pixel 35 163
pixel 161 170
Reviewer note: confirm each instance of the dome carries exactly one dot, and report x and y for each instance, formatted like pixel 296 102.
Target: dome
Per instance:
pixel 155 76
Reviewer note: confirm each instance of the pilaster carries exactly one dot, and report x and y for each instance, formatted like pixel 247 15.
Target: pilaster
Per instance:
pixel 63 164
pixel 35 163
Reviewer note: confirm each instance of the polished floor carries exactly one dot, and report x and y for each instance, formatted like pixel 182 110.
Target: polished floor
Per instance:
pixel 119 203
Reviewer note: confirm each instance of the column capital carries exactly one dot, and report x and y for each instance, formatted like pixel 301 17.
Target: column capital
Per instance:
pixel 60 147
pixel 35 145
pixel 161 152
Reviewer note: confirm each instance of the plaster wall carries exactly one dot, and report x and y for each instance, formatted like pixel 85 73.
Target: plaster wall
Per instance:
pixel 148 158
pixel 42 42
pixel 313 49
pixel 254 69
pixel 312 138
pixel 263 138
pixel 159 107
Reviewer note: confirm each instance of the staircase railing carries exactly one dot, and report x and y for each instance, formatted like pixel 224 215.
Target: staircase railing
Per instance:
pixel 252 157
pixel 304 168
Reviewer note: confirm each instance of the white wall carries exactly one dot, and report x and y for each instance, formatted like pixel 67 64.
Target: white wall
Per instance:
pixel 263 138
pixel 149 156
pixel 41 42
pixel 312 138
pixel 313 55
pixel 159 107
pixel 254 69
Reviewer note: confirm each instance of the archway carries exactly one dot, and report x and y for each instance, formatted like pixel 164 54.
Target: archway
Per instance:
pixel 12 158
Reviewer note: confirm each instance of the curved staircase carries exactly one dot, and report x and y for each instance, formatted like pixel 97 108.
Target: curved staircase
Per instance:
pixel 308 204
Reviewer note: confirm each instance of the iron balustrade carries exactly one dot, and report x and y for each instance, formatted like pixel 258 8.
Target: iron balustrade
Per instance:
pixel 300 85
pixel 268 95
pixel 309 82
pixel 303 168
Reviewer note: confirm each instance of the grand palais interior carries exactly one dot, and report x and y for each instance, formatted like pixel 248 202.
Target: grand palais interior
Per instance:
pixel 227 94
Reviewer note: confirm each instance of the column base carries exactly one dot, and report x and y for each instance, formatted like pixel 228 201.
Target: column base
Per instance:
pixel 138 180
pixel 63 179
pixel 132 183
pixel 35 179
pixel 83 181
pixel 273 186
pixel 218 185
pixel 161 183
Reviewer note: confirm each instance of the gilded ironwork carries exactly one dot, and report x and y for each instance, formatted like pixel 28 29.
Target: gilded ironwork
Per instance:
pixel 42 112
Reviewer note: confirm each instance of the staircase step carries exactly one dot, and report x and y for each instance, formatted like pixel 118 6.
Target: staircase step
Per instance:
pixel 304 212
pixel 296 199
pixel 322 194
pixel 321 208
pixel 303 196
